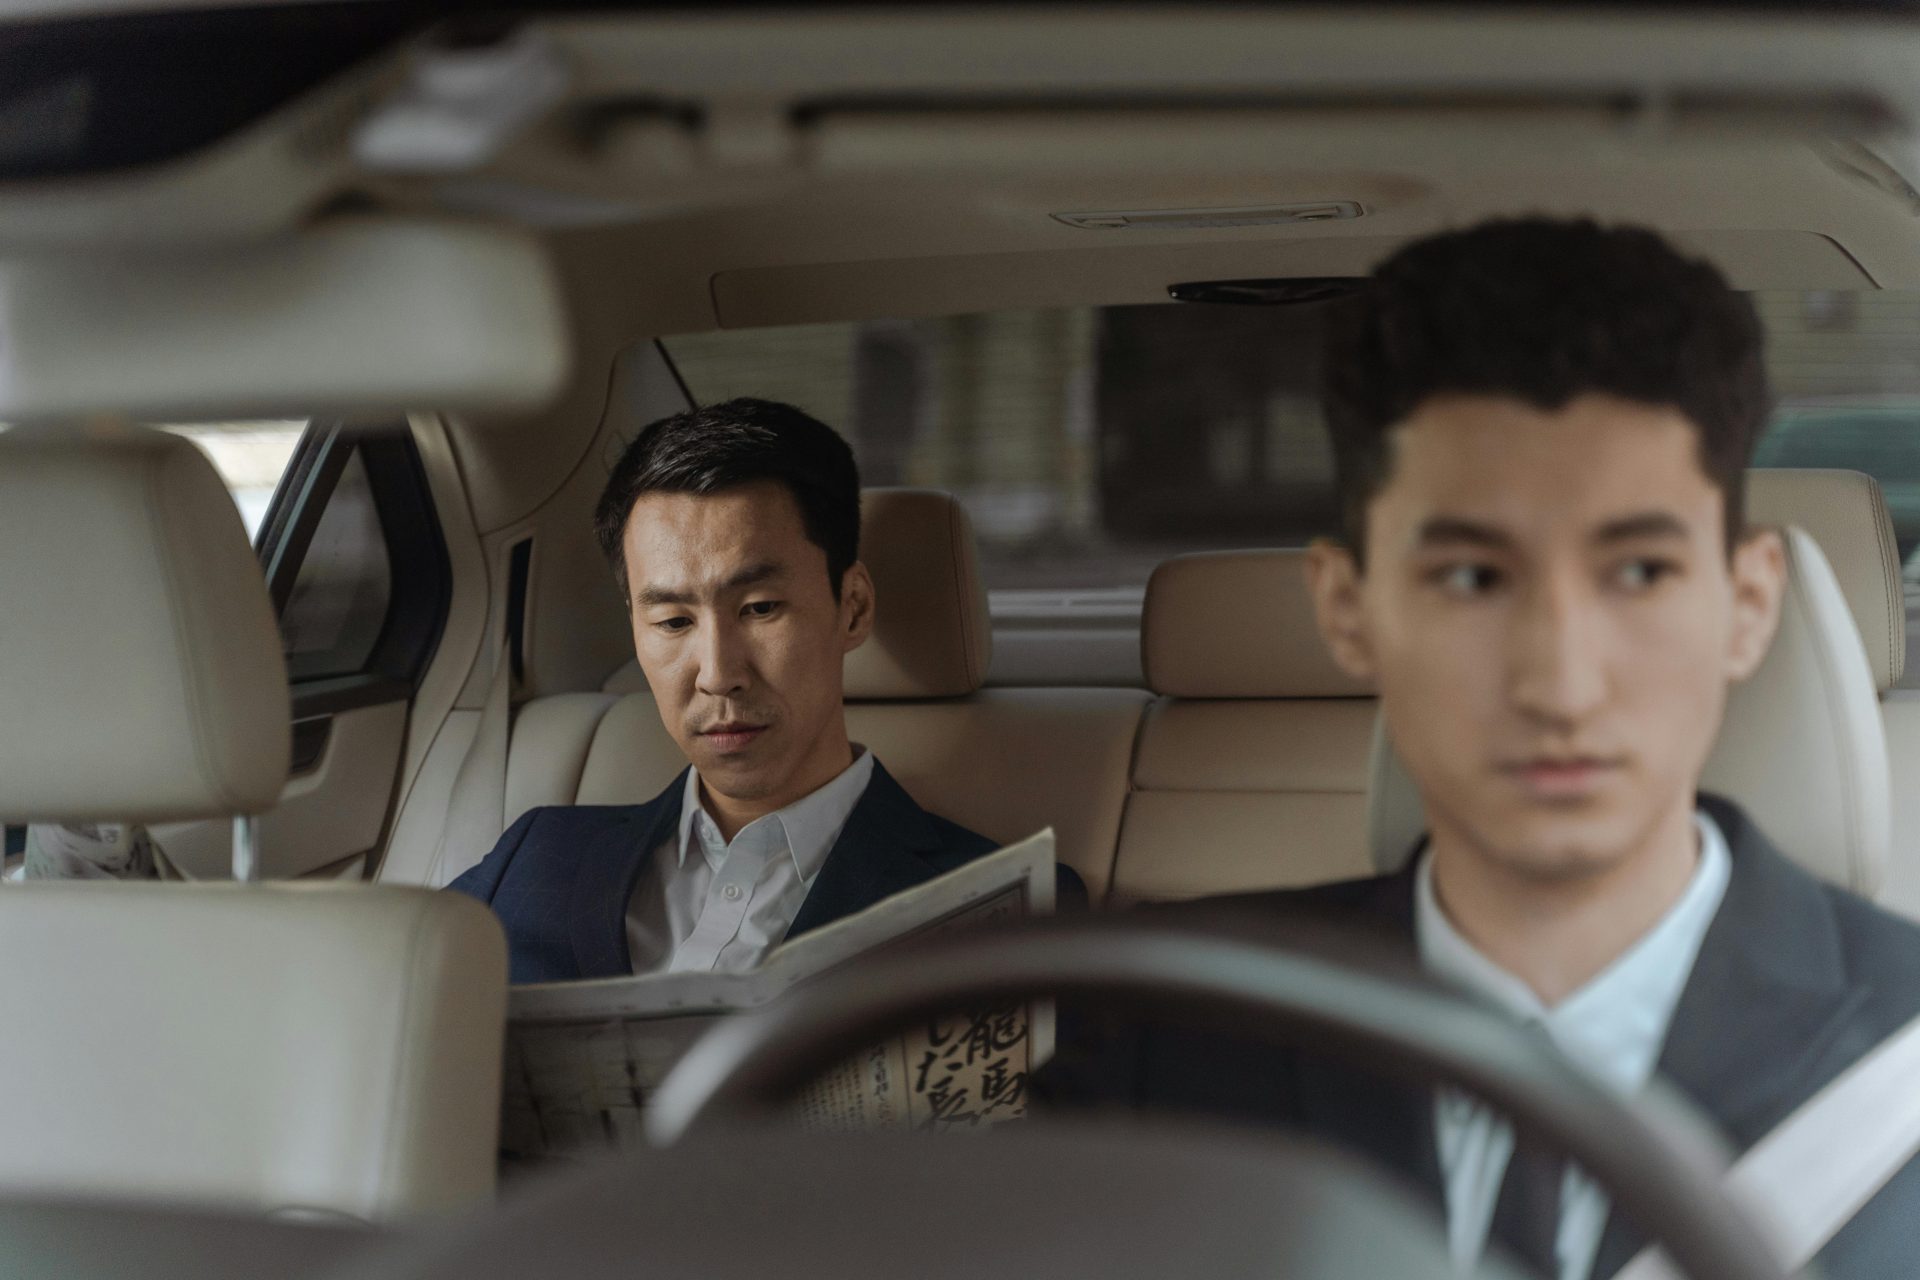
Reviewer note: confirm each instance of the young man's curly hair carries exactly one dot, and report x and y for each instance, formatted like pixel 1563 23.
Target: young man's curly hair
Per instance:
pixel 1543 310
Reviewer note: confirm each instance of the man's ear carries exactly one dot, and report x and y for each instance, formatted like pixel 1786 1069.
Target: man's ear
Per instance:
pixel 1759 572
pixel 1333 579
pixel 856 606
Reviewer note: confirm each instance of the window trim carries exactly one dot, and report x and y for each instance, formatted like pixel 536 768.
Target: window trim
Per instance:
pixel 298 502
pixel 419 568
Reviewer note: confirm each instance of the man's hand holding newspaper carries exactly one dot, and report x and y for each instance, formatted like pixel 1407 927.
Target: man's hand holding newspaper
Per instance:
pixel 584 1057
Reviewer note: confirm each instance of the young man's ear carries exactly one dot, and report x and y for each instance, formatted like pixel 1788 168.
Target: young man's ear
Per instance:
pixel 1759 571
pixel 856 606
pixel 1333 579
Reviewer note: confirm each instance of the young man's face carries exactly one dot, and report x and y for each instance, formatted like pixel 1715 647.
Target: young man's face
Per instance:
pixel 1552 619
pixel 741 639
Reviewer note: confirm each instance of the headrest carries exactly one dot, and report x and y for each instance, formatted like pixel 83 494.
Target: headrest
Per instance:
pixel 1847 516
pixel 1237 624
pixel 932 635
pixel 1801 749
pixel 143 672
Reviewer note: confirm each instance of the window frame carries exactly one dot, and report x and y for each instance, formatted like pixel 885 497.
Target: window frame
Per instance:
pixel 419 567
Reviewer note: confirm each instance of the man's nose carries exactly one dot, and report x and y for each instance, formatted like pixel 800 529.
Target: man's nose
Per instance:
pixel 723 661
pixel 1558 664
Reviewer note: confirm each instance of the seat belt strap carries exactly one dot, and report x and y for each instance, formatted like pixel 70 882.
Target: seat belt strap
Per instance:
pixel 476 806
pixel 1805 1180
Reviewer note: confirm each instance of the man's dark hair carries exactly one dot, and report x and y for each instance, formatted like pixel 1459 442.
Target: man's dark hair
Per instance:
pixel 726 445
pixel 1543 310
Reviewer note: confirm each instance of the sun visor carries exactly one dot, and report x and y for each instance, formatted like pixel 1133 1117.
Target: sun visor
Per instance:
pixel 355 316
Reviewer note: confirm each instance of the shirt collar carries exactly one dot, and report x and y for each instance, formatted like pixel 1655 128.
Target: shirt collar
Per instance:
pixel 808 827
pixel 1614 1025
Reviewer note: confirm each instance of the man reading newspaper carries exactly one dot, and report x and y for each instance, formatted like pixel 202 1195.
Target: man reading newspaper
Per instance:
pixel 584 1058
pixel 733 532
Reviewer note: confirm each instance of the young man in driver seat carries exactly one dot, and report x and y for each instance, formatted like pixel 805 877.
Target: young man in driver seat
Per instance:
pixel 1540 430
pixel 734 535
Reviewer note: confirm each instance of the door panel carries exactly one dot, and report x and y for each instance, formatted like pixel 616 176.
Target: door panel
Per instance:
pixel 331 812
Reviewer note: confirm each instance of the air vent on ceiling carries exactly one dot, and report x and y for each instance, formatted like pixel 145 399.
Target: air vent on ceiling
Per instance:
pixel 1268 293
pixel 1267 215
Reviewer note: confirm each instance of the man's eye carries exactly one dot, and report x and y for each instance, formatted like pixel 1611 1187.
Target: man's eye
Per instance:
pixel 1638 575
pixel 761 609
pixel 1466 579
pixel 673 626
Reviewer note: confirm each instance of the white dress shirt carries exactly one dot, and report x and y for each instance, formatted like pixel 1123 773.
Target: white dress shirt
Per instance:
pixel 1612 1028
pixel 723 910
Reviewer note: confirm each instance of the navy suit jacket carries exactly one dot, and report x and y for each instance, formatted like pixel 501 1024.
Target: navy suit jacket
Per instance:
pixel 560 879
pixel 1795 981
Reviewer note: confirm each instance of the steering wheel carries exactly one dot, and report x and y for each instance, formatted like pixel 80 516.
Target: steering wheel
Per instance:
pixel 1656 1160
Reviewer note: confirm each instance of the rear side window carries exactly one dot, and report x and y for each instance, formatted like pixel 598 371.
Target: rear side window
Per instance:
pixel 341 593
pixel 355 566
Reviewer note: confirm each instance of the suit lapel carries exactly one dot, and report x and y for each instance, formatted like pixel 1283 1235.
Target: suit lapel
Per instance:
pixel 1390 1121
pixel 879 853
pixel 1768 997
pixel 608 868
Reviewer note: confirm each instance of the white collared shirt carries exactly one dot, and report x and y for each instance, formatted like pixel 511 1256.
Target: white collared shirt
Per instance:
pixel 722 909
pixel 1612 1028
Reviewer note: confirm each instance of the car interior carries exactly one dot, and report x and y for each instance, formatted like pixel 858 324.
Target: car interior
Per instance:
pixel 324 321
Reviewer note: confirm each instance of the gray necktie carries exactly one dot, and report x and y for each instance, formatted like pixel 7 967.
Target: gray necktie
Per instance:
pixel 1526 1220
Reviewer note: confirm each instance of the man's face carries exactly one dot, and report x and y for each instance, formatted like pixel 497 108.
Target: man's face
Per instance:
pixel 1552 619
pixel 741 639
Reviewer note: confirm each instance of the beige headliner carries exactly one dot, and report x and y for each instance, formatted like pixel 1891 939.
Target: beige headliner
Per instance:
pixel 907 162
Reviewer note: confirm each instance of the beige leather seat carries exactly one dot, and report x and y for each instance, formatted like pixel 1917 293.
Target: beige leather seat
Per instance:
pixel 1847 516
pixel 1801 749
pixel 1252 767
pixel 1004 762
pixel 316 1047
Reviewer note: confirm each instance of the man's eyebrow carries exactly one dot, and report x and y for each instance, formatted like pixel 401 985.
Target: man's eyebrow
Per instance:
pixel 1440 530
pixel 651 595
pixel 1647 524
pixel 747 577
pixel 752 574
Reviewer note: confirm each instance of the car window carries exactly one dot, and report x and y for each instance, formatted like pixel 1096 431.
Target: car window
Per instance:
pixel 1090 443
pixel 1846 371
pixel 1087 444
pixel 332 616
pixel 338 605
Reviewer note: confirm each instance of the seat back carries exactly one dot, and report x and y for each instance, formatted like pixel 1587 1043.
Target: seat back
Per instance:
pixel 332 1049
pixel 1004 762
pixel 1252 766
pixel 1847 516
pixel 1800 749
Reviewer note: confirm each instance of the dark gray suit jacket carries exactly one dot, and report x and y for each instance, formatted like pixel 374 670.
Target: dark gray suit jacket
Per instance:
pixel 1795 981
pixel 560 878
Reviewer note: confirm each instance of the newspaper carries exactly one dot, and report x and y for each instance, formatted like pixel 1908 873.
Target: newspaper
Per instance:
pixel 584 1057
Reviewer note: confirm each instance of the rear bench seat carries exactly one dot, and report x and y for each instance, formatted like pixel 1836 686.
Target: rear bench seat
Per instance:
pixel 1252 761
pixel 1252 767
pixel 1004 762
pixel 1252 771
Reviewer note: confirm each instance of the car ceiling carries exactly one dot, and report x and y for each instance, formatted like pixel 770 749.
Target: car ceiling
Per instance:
pixel 751 165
